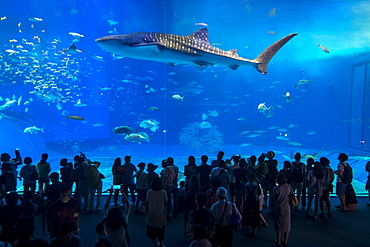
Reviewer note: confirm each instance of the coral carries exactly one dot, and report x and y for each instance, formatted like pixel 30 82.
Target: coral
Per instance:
pixel 195 136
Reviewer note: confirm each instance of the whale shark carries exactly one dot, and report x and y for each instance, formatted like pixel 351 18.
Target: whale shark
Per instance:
pixel 194 49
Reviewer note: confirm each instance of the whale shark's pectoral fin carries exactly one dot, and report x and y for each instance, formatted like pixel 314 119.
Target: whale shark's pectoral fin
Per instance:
pixel 234 67
pixel 201 65
pixel 172 64
pixel 149 47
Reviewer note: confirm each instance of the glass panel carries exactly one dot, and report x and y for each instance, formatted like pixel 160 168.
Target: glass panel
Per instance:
pixel 357 100
pixel 164 90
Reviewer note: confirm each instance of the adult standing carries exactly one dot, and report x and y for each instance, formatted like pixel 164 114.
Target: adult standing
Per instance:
pixel 327 187
pixel 240 174
pixel 315 182
pixel 220 156
pixel 156 216
pixel 204 171
pixel 93 180
pixel 281 209
pixel 222 212
pixel 44 169
pixel 252 201
pixel 81 183
pixel 170 179
pixel 151 174
pixel 344 173
pixel 9 170
pixel 235 159
pixel 78 160
pixel 309 167
pixel 298 176
pixel 262 175
pixel 350 194
pixel 272 165
pixel 141 187
pixel 128 178
pixel 117 179
pixel 221 173
pixel 29 174
pixel 66 172
pixel 189 170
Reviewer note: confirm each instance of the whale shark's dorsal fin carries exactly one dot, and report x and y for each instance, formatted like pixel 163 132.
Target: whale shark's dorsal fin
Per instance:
pixel 200 35
pixel 234 52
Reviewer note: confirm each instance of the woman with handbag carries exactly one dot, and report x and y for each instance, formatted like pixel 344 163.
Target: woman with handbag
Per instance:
pixel 223 213
pixel 281 209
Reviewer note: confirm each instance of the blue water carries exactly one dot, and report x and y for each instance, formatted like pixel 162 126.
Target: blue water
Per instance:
pixel 326 113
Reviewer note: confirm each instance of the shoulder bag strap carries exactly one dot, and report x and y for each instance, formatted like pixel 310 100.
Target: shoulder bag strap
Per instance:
pixel 137 179
pixel 223 214
pixel 219 174
pixel 291 189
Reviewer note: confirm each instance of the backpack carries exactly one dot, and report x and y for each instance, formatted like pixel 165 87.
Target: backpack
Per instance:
pixel 264 168
pixel 34 175
pixel 329 175
pixel 297 173
pixel 251 202
pixel 170 176
pixel 347 175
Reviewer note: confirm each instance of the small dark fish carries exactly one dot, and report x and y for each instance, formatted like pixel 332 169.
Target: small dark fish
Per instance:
pixel 153 108
pixel 323 48
pixel 72 49
pixel 123 130
pixel 75 117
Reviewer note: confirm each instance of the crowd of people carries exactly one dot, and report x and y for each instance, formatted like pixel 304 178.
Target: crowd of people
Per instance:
pixel 215 199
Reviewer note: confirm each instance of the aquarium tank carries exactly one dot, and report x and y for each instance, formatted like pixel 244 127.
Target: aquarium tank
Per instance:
pixel 159 78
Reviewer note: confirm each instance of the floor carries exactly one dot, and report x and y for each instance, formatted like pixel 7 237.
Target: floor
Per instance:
pixel 344 229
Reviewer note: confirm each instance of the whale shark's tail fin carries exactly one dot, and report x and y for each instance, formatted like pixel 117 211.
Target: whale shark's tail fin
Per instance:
pixel 264 58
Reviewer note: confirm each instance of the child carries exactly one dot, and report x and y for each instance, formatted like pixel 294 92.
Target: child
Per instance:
pixel 181 196
pixel 211 193
pixel 103 240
